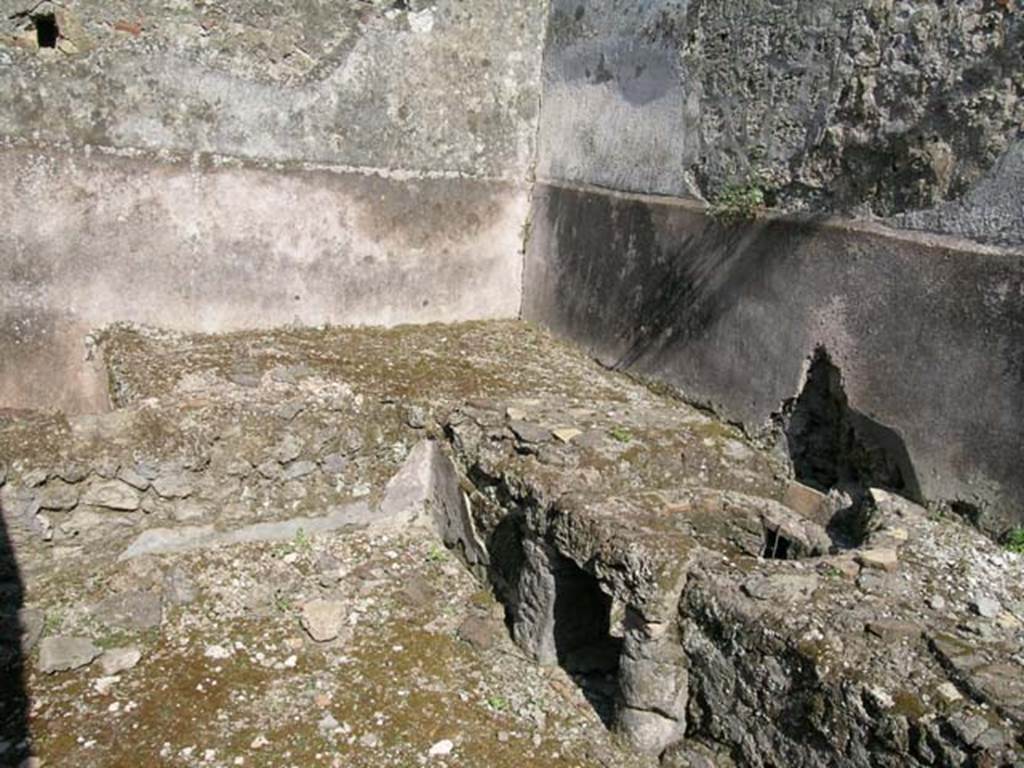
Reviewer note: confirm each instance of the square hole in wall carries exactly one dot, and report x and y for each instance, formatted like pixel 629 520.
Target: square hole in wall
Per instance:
pixel 47 30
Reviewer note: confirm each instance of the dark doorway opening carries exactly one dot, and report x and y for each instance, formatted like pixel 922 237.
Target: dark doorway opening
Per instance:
pixel 776 546
pixel 47 30
pixel 588 648
pixel 558 613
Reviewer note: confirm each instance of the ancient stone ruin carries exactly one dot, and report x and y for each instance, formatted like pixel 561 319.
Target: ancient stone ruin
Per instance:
pixel 477 383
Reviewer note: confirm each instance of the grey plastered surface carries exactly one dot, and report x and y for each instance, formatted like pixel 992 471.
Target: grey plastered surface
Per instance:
pixel 104 238
pixel 928 332
pixel 440 86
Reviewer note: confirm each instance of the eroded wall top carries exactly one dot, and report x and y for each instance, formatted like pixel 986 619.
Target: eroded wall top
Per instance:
pixel 436 86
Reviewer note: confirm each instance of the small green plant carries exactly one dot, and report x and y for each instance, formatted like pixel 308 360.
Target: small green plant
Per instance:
pixel 303 543
pixel 114 640
pixel 282 549
pixel 497 703
pixel 436 554
pixel 282 604
pixel 53 621
pixel 621 434
pixel 1015 541
pixel 831 572
pixel 739 202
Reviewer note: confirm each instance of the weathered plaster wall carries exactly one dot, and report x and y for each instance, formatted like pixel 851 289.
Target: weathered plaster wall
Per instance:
pixel 928 332
pixel 99 238
pixel 441 86
pixel 876 107
pixel 231 164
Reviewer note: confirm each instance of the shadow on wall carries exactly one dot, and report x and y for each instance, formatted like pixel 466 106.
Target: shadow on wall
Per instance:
pixel 833 446
pixel 14 733
pixel 727 314
pixel 700 289
pixel 662 287
pixel 634 280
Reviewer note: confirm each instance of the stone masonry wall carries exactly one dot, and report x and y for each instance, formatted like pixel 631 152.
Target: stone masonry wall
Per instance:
pixel 877 107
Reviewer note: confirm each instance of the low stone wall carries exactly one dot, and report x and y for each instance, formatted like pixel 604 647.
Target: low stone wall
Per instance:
pixel 926 332
pixel 200 244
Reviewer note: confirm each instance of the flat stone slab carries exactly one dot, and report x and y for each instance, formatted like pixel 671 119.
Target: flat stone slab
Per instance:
pixel 118 660
pixel 156 541
pixel 112 494
pixel 131 611
pixel 62 654
pixel 323 619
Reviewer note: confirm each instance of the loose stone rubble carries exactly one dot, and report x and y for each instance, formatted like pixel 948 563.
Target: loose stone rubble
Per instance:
pixel 471 546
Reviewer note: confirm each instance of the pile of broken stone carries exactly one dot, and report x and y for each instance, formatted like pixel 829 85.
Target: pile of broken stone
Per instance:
pixel 664 562
pixel 903 649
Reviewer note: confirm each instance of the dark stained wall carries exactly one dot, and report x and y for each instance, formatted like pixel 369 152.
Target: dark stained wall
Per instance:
pixel 927 332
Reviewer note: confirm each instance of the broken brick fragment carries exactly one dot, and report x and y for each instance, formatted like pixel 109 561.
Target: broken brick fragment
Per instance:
pixel 133 28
